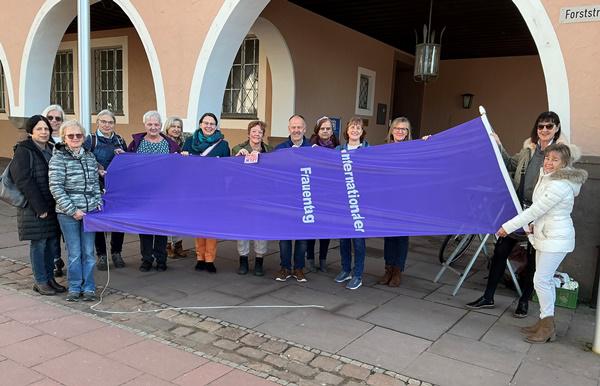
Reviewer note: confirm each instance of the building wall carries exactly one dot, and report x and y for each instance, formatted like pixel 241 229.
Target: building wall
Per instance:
pixel 512 90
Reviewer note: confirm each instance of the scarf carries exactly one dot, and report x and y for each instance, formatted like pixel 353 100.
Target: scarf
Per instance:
pixel 200 142
pixel 328 143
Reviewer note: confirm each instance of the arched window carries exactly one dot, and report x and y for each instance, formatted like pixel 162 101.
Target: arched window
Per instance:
pixel 241 92
pixel 2 91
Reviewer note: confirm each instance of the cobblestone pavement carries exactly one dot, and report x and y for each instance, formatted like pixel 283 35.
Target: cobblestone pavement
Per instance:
pixel 414 334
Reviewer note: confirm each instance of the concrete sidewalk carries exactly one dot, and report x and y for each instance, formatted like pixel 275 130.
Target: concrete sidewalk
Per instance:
pixel 48 344
pixel 414 334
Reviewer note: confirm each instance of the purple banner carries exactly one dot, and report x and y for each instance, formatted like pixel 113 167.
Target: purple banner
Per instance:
pixel 449 184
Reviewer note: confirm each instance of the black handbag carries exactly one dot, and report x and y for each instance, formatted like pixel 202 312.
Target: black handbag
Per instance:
pixel 9 192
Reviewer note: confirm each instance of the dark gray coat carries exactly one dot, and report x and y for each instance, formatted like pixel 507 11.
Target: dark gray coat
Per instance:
pixel 32 180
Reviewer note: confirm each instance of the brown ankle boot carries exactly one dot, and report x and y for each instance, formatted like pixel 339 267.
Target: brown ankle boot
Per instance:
pixel 178 250
pixel 396 276
pixel 385 279
pixel 170 251
pixel 546 332
pixel 531 329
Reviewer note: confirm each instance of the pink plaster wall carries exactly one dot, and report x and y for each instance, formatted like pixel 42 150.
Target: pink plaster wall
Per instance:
pixel 512 89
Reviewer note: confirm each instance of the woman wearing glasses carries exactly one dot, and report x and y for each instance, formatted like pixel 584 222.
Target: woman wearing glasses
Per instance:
pixel 395 248
pixel 525 167
pixel 207 141
pixel 55 115
pixel 74 183
pixel 105 144
pixel 323 136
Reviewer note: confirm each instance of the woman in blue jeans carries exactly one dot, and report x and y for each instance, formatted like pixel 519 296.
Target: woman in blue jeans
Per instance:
pixel 74 183
pixel 395 248
pixel 37 220
pixel 355 139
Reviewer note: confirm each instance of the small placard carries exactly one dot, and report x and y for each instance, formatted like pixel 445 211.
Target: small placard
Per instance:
pixel 251 158
pixel 581 14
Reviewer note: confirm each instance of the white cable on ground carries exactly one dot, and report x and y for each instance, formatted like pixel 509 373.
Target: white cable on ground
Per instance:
pixel 93 306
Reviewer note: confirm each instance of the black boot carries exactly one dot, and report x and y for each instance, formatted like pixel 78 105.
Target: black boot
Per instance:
pixel 56 287
pixel 522 309
pixel 102 264
pixel 59 264
pixel 243 265
pixel 323 265
pixel 44 289
pixel 258 267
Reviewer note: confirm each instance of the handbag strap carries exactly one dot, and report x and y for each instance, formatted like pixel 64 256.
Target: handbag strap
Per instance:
pixel 210 148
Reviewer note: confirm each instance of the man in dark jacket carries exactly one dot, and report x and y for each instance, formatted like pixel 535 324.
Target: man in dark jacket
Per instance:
pixel 37 220
pixel 296 128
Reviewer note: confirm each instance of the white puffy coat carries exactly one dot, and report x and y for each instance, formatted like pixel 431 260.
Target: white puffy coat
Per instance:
pixel 553 199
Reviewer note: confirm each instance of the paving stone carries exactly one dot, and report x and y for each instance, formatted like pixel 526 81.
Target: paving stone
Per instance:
pixel 329 379
pixel 70 326
pixel 230 333
pixel 325 363
pixel 202 337
pixel 203 375
pixel 353 383
pixel 208 326
pixel 237 377
pixel 166 314
pixel 276 360
pixel 384 380
pixel 15 374
pixel 226 344
pixel 350 370
pixel 531 374
pixel 232 357
pixel 298 354
pixel 106 340
pixel 274 346
pixel 473 325
pixel 185 320
pixel 286 375
pixel 302 370
pixel 181 331
pixel 259 366
pixel 37 350
pixel 253 340
pixel 251 353
pixel 147 380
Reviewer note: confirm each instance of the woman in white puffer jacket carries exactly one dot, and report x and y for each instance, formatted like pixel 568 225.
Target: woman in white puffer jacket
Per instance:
pixel 549 218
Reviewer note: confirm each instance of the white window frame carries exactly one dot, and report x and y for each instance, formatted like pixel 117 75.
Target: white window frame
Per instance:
pixel 117 41
pixel 370 74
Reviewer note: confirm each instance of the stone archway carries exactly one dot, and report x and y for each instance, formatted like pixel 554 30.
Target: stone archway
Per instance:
pixel 553 64
pixel 43 40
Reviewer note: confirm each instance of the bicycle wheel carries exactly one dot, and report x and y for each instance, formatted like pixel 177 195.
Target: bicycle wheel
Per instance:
pixel 450 244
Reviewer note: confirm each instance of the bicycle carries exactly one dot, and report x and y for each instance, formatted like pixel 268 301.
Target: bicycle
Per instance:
pixel 457 245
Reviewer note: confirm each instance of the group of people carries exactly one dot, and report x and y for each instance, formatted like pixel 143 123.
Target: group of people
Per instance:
pixel 63 180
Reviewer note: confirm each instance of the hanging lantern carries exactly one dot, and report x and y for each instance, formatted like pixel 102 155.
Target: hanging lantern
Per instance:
pixel 427 54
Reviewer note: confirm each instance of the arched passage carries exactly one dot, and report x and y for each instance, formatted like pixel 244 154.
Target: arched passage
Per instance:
pixel 8 83
pixel 553 64
pixel 43 40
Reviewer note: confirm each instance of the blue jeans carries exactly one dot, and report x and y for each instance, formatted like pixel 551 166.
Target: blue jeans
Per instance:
pixel 41 253
pixel 395 250
pixel 80 254
pixel 285 253
pixel 360 247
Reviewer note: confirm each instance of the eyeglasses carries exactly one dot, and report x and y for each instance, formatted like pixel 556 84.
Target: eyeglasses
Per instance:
pixel 54 118
pixel 208 123
pixel 73 136
pixel 103 122
pixel 547 126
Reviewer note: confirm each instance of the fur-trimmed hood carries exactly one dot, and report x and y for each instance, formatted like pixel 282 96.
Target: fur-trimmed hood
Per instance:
pixel 574 177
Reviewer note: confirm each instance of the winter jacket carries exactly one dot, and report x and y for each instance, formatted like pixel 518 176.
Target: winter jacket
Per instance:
pixel 137 139
pixel 74 181
pixel 288 143
pixel 32 181
pixel 553 199
pixel 264 147
pixel 517 164
pixel 104 151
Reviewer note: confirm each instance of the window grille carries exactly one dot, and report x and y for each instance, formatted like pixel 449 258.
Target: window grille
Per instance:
pixel 241 92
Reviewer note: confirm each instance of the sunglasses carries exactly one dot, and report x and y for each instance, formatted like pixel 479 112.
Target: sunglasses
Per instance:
pixel 54 118
pixel 73 136
pixel 547 126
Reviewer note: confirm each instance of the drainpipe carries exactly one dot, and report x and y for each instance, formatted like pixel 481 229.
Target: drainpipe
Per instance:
pixel 596 346
pixel 84 66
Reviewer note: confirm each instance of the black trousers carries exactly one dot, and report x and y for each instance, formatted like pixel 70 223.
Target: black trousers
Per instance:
pixel 502 250
pixel 323 248
pixel 153 247
pixel 116 242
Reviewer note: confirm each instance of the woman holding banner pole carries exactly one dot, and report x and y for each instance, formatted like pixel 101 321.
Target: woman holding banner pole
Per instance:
pixel 355 139
pixel 395 248
pixel 525 167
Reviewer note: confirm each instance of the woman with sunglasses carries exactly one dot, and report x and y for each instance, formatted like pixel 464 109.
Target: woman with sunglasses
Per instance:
pixel 74 183
pixel 323 136
pixel 55 115
pixel 525 169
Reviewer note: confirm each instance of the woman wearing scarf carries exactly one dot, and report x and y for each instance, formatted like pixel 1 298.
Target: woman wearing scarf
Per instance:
pixel 207 141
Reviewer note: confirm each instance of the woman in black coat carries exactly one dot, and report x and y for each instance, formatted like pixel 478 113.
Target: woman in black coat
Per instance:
pixel 37 221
